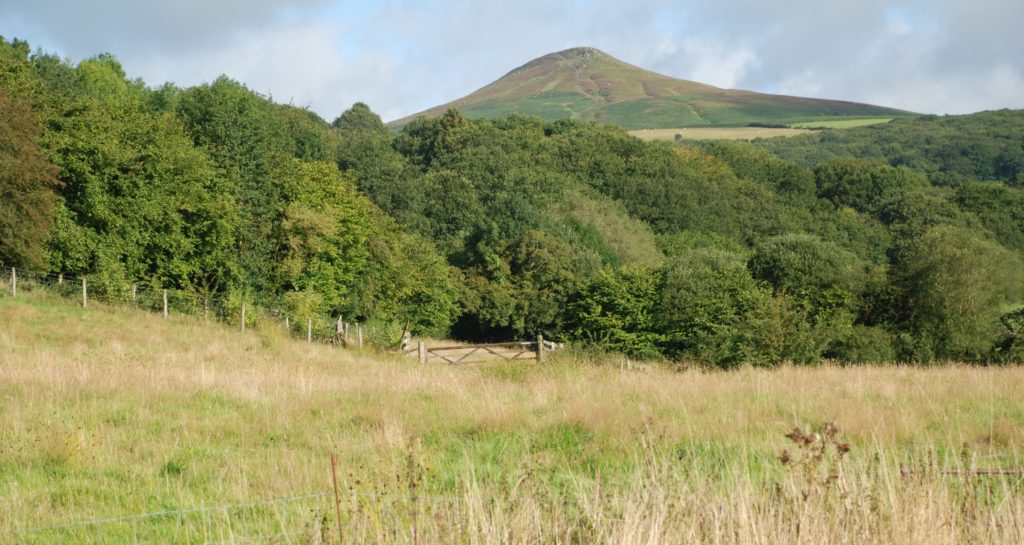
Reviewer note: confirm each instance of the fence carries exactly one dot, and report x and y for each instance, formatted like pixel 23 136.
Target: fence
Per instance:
pixel 167 301
pixel 479 353
pixel 314 328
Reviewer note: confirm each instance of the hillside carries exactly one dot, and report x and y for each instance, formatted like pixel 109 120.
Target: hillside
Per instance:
pixel 588 84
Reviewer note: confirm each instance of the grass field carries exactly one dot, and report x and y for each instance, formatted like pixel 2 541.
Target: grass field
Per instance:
pixel 841 123
pixel 119 427
pixel 715 133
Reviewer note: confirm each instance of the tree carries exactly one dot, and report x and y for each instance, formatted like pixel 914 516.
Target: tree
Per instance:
pixel 616 311
pixel 139 201
pixel 955 286
pixel 359 118
pixel 708 306
pixel 27 183
pixel 862 185
pixel 818 273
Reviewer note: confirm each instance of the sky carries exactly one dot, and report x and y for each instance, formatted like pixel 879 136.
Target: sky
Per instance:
pixel 403 56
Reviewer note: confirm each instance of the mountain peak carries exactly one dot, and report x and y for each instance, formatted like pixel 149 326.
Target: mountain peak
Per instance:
pixel 581 52
pixel 575 58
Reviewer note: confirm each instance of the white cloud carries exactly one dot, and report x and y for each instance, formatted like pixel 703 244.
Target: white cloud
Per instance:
pixel 402 56
pixel 296 63
pixel 712 62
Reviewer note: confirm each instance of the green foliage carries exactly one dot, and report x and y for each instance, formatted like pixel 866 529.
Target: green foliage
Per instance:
pixel 708 305
pixel 142 198
pixel 999 207
pixel 604 226
pixel 864 344
pixel 359 118
pixel 862 185
pixel 785 178
pixel 1010 346
pixel 324 230
pixel 954 286
pixel 946 149
pixel 816 272
pixel 616 310
pixel 27 181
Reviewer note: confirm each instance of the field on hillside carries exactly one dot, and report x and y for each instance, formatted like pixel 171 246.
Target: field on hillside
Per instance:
pixel 718 133
pixel 119 427
pixel 841 123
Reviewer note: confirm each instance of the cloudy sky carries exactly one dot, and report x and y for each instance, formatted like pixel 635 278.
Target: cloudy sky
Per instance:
pixel 402 56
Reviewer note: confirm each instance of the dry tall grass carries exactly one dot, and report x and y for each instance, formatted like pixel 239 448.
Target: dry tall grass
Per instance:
pixel 106 412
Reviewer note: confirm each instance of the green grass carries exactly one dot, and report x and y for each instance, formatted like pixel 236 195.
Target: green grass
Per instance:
pixel 714 133
pixel 548 105
pixel 841 123
pixel 107 412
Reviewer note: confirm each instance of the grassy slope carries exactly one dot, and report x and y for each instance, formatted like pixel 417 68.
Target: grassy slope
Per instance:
pixel 587 84
pixel 105 412
pixel 842 123
pixel 714 133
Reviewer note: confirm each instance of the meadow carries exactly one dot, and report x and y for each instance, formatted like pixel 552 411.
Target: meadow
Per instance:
pixel 715 133
pixel 841 123
pixel 119 427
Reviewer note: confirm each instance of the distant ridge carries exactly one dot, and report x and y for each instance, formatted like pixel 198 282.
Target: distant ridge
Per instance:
pixel 589 84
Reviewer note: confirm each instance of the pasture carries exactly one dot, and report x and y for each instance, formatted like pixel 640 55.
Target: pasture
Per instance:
pixel 715 133
pixel 119 427
pixel 841 123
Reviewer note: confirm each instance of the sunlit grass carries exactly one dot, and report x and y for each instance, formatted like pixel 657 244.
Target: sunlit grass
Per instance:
pixel 107 412
pixel 841 123
pixel 714 133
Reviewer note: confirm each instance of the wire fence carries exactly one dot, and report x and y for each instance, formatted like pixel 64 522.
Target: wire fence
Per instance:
pixel 289 518
pixel 306 519
pixel 235 310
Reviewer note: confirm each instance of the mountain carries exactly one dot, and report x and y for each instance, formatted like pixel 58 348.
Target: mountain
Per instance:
pixel 586 83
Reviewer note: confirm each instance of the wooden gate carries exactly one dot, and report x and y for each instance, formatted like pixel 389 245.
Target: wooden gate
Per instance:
pixel 478 353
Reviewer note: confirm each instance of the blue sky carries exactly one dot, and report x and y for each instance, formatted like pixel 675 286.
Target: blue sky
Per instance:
pixel 938 56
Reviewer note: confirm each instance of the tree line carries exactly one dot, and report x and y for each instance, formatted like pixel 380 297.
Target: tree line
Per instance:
pixel 718 253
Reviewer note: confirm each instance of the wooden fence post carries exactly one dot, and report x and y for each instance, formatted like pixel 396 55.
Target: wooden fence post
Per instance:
pixel 243 317
pixel 85 294
pixel 135 294
pixel 540 348
pixel 339 328
pixel 344 332
pixel 60 279
pixel 359 335
pixel 309 330
pixel 14 282
pixel 422 349
pixel 287 324
pixel 165 304
pixel 206 308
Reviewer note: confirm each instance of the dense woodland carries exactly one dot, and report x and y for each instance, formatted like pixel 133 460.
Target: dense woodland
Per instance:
pixel 902 242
